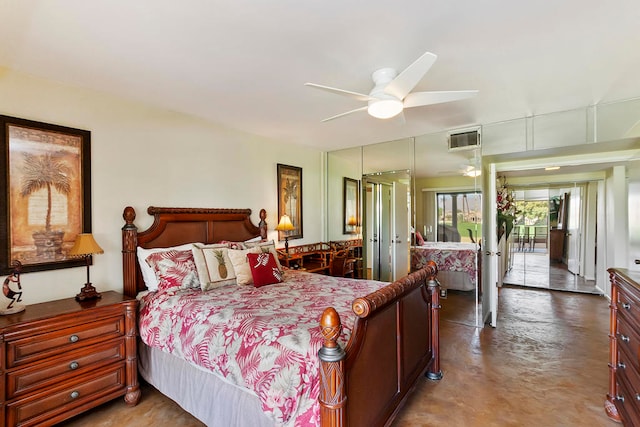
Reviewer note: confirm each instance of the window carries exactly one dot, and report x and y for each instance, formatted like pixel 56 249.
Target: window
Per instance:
pixel 459 217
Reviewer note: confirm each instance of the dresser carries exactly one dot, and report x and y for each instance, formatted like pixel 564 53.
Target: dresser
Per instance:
pixel 60 358
pixel 623 398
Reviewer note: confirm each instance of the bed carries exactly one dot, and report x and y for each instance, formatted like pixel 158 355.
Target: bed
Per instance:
pixel 458 263
pixel 370 353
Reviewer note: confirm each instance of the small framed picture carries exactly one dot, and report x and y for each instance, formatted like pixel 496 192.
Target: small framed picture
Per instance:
pixel 290 199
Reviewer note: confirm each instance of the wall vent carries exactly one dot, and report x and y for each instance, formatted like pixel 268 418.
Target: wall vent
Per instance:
pixel 466 139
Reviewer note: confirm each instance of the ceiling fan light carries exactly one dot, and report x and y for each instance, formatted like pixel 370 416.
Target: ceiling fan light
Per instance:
pixel 385 108
pixel 473 172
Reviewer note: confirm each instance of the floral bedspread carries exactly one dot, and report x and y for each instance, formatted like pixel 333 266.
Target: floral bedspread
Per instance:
pixel 264 339
pixel 448 257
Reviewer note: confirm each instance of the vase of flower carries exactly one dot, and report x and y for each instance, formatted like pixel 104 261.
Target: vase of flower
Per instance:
pixel 506 208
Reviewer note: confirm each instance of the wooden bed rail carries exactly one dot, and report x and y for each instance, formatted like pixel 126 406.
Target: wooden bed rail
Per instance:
pixel 407 313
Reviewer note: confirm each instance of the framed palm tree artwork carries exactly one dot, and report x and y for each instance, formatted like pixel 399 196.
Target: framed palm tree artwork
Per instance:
pixel 290 199
pixel 46 197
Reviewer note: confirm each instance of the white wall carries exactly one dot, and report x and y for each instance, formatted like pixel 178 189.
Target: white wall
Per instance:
pixel 144 156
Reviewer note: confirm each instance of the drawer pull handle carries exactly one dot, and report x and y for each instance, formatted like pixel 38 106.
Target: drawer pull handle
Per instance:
pixel 620 398
pixel 75 394
pixel 637 396
pixel 625 338
pixel 75 365
pixel 626 306
pixel 73 338
pixel 621 365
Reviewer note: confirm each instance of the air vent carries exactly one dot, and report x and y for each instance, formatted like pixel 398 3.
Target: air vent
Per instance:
pixel 467 139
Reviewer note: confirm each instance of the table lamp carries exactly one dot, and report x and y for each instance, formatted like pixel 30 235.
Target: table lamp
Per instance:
pixel 84 247
pixel 285 226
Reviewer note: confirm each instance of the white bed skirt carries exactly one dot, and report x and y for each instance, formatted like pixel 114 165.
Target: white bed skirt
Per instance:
pixel 204 395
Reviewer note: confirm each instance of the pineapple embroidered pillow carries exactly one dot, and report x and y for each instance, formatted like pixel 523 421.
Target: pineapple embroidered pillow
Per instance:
pixel 213 265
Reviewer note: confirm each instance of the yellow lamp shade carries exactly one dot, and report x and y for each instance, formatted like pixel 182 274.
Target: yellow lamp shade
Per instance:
pixel 85 245
pixel 284 224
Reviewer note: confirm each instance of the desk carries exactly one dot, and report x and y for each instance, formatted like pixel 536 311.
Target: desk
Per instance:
pixel 314 257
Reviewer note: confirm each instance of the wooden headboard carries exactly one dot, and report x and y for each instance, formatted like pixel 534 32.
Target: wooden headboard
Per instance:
pixel 176 226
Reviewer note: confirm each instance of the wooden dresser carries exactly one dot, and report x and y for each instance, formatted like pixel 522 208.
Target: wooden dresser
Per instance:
pixel 60 358
pixel 623 399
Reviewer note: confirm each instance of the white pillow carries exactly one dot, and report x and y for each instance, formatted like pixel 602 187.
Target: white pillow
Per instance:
pixel 213 265
pixel 270 246
pixel 241 264
pixel 148 275
pixel 254 240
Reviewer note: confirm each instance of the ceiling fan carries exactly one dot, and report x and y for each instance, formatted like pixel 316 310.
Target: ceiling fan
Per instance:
pixel 392 91
pixel 471 168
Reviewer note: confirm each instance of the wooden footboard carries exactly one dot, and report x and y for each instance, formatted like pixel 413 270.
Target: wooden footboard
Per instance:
pixel 394 341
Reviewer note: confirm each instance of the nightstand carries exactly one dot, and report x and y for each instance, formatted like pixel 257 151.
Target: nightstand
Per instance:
pixel 60 358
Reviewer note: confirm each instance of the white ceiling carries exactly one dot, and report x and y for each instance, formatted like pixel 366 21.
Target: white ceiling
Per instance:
pixel 243 63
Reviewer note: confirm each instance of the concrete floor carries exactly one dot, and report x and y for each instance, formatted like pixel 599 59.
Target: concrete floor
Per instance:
pixel 544 365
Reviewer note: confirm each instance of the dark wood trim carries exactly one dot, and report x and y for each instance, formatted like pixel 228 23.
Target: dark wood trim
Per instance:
pixel 175 226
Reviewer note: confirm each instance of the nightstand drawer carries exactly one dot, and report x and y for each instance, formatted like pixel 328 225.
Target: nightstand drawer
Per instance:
pixel 59 341
pixel 94 387
pixel 64 367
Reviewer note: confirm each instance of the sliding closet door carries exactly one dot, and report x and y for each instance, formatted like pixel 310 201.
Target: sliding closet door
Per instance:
pixel 400 238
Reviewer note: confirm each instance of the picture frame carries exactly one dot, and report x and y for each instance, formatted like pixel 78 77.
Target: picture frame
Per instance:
pixel 290 199
pixel 46 194
pixel 351 206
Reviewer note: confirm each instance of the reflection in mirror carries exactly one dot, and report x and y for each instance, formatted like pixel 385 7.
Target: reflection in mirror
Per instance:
pixel 387 208
pixel 387 224
pixel 351 206
pixel 342 165
pixel 554 233
pixel 448 224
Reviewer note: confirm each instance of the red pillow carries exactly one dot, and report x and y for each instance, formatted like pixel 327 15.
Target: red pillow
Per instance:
pixel 264 269
pixel 419 239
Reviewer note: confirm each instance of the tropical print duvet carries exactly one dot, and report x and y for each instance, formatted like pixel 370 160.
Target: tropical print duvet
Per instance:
pixel 263 339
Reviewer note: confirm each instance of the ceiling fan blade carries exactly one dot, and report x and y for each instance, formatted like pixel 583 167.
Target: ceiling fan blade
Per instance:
pixel 417 99
pixel 356 95
pixel 409 78
pixel 344 114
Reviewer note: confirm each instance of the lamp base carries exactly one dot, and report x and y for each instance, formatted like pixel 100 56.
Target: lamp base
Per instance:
pixel 88 292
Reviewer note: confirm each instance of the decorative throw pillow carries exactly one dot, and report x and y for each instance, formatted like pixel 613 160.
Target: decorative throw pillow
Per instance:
pixel 233 245
pixel 148 274
pixel 264 269
pixel 240 264
pixel 213 265
pixel 269 246
pixel 174 269
pixel 419 239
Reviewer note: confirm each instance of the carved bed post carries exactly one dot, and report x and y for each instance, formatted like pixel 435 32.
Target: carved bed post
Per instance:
pixel 262 225
pixel 129 244
pixel 434 372
pixel 332 376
